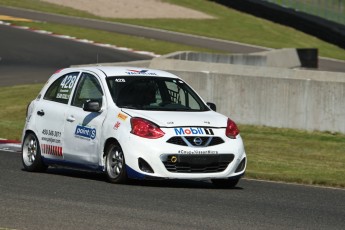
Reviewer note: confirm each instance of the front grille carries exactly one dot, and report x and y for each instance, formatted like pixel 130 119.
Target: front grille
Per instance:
pixel 216 141
pixel 201 163
pixel 177 141
pixel 189 141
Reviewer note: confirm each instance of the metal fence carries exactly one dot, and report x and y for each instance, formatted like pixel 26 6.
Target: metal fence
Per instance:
pixel 333 10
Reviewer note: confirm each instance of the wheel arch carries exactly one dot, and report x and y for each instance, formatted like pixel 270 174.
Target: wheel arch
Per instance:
pixel 27 132
pixel 111 140
pixel 118 175
pixel 37 164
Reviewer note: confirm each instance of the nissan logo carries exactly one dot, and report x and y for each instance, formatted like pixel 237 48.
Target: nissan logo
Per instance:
pixel 197 141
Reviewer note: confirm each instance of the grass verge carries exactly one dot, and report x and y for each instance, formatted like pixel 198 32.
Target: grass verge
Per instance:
pixel 14 102
pixel 289 155
pixel 228 24
pixel 316 158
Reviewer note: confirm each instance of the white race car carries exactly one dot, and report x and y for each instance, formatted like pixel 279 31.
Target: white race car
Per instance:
pixel 130 123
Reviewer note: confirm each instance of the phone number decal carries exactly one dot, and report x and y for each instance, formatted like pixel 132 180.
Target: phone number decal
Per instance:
pixel 51 133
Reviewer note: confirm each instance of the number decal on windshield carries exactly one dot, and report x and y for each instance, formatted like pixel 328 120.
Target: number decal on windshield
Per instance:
pixel 66 86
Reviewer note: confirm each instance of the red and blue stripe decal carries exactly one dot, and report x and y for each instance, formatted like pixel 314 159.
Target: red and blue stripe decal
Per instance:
pixel 51 150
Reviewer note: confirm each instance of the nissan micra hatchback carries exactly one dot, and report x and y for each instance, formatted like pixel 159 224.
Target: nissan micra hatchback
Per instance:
pixel 130 123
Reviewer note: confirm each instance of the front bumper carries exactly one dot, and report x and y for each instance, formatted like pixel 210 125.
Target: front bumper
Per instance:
pixel 170 161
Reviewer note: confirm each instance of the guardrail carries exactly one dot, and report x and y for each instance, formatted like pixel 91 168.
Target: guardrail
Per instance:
pixel 333 10
pixel 322 28
pixel 286 58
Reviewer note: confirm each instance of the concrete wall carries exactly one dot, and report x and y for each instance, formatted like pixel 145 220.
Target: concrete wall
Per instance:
pixel 285 58
pixel 301 99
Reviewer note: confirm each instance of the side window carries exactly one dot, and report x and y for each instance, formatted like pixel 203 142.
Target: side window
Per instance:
pixel 60 90
pixel 193 104
pixel 177 95
pixel 180 95
pixel 88 88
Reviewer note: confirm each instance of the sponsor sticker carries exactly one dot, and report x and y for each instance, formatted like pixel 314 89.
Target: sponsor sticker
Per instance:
pixel 51 136
pixel 51 140
pixel 200 152
pixel 122 116
pixel 120 80
pixel 117 125
pixel 62 96
pixel 85 132
pixel 193 131
pixel 140 72
pixel 52 133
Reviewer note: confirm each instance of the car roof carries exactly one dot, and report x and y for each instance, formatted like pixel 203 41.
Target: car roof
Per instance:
pixel 111 71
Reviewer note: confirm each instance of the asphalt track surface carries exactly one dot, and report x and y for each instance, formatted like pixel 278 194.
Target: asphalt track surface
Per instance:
pixel 187 39
pixel 67 199
pixel 27 57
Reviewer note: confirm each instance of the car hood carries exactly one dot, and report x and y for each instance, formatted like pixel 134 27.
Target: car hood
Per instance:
pixel 181 119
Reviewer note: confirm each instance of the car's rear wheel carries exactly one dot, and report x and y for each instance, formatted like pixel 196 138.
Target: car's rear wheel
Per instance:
pixel 225 183
pixel 115 164
pixel 31 154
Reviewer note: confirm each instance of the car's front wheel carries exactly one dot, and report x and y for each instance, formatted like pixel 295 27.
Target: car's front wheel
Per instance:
pixel 31 154
pixel 225 183
pixel 115 164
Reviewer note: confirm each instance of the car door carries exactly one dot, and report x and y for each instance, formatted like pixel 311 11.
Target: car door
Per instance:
pixel 50 112
pixel 82 130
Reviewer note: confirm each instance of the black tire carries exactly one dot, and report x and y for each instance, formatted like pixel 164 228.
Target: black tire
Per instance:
pixel 31 154
pixel 225 183
pixel 115 165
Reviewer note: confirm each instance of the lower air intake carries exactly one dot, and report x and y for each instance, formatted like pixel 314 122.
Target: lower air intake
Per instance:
pixel 241 166
pixel 197 163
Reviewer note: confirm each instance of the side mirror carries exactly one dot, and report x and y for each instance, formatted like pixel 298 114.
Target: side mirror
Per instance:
pixel 91 106
pixel 212 106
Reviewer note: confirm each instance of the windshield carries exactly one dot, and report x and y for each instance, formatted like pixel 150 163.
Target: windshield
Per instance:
pixel 154 93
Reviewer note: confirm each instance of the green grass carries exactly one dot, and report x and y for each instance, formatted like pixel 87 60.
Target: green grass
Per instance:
pixel 228 24
pixel 295 156
pixel 14 102
pixel 273 154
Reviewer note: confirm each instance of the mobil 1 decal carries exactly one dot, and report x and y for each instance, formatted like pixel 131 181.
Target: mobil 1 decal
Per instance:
pixel 66 86
pixel 193 131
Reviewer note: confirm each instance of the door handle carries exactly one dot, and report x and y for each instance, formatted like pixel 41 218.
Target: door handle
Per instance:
pixel 40 113
pixel 70 119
